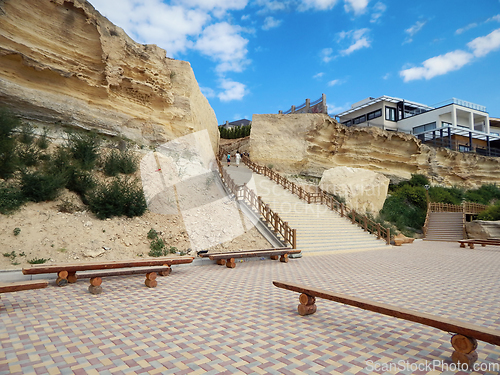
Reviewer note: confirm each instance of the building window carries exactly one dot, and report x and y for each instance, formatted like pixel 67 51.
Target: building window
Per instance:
pixel 375 114
pixel 390 113
pixel 359 120
pixel 424 128
pixel 348 123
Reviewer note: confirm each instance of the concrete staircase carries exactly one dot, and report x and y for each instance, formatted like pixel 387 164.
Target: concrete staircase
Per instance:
pixel 445 226
pixel 319 230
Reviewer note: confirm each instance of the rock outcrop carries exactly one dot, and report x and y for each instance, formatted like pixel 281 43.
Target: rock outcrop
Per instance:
pixel 312 143
pixel 480 229
pixel 62 62
pixel 363 190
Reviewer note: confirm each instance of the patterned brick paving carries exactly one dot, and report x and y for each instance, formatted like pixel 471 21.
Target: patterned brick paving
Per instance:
pixel 214 320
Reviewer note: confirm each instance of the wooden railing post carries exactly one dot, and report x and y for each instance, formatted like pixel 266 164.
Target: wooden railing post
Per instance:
pixel 365 223
pixel 353 213
pixel 378 231
pixel 294 239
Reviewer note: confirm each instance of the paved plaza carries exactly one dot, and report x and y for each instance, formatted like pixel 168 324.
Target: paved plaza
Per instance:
pixel 208 319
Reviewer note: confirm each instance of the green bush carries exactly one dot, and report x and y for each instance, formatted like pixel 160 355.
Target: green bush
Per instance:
pixel 152 234
pixel 440 194
pixel 418 180
pixel 397 211
pixel 157 247
pixel 39 186
pixel 486 194
pixel 83 147
pixel 120 162
pixel 11 198
pixel 8 157
pixel 27 134
pixel 122 196
pixel 492 213
pixel 235 132
pixel 28 155
pixel 38 261
pixel 42 142
pixel 413 195
pixel 79 181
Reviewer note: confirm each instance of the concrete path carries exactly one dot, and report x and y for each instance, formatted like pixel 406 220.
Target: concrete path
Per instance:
pixel 214 320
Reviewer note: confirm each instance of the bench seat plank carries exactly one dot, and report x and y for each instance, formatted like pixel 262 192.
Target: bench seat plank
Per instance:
pixel 206 255
pixel 74 267
pixel 247 254
pixel 120 272
pixel 22 285
pixel 446 324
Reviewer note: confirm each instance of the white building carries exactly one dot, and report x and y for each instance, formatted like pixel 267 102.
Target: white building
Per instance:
pixel 455 124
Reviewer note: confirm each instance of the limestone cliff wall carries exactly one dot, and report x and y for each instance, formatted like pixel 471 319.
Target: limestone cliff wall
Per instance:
pixel 62 61
pixel 312 143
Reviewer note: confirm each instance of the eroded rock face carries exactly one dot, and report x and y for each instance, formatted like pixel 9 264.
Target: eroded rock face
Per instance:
pixel 312 143
pixel 480 229
pixel 62 61
pixel 363 190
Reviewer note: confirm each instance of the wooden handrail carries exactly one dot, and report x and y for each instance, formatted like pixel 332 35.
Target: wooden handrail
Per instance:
pixel 322 198
pixel 242 192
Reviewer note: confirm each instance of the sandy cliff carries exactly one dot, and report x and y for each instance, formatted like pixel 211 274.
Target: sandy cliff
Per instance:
pixel 312 143
pixel 62 62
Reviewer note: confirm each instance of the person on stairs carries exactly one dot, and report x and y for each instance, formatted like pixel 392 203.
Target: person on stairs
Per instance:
pixel 228 159
pixel 238 158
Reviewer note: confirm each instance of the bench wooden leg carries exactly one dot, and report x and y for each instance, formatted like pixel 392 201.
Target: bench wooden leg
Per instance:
pixel 95 285
pixel 151 280
pixel 62 278
pixel 471 245
pixel 72 277
pixel 307 304
pixel 284 258
pixel 230 263
pixel 166 272
pixel 465 350
pixel 275 257
pixel 462 244
pixel 221 262
pixel 483 245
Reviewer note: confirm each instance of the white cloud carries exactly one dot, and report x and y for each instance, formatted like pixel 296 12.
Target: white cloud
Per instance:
pixel 358 39
pixel 356 6
pixel 411 31
pixel 378 10
pixel 270 23
pixel 438 65
pixel 483 45
pixel 232 90
pixel 335 82
pixel 326 55
pixel 272 6
pixel 442 64
pixel 334 109
pixel 465 28
pixel 222 43
pixel 319 75
pixel 145 22
pixel 494 18
pixel 316 4
pixel 208 92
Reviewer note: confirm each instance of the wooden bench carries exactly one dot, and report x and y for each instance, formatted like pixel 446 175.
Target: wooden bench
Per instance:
pixel 22 285
pixel 483 242
pixel 229 258
pixel 464 340
pixel 67 272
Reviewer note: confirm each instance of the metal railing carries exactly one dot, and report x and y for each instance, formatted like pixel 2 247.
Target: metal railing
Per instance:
pixel 362 220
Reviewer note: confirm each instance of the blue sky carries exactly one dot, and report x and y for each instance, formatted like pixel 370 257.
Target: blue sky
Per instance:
pixel 262 56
